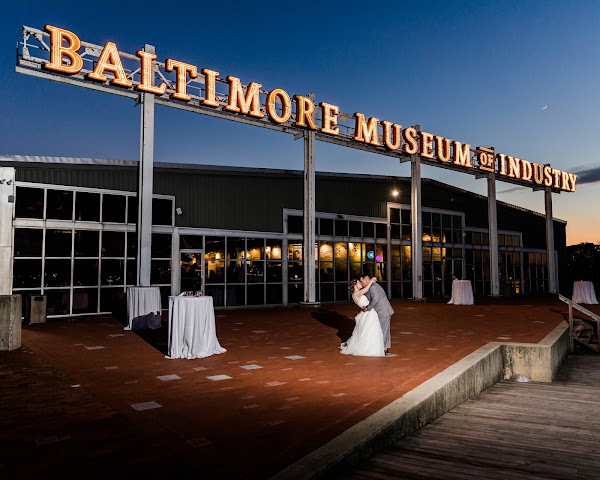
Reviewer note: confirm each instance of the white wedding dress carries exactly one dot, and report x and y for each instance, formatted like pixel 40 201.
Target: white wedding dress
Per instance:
pixel 367 337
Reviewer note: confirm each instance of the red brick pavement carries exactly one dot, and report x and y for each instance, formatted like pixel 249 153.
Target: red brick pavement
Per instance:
pixel 249 426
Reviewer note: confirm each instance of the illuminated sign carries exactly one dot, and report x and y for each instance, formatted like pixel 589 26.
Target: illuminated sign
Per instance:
pixel 204 89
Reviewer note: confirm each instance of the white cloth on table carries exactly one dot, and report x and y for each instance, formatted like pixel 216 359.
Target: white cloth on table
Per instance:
pixel 192 329
pixel 462 293
pixel 143 302
pixel 583 292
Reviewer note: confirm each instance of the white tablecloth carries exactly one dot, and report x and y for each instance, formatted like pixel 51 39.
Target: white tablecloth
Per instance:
pixel 192 329
pixel 583 292
pixel 462 293
pixel 143 308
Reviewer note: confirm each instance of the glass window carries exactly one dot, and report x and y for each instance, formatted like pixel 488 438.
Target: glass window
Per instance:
pixel 326 252
pixel 326 226
pixel 217 293
pixel 381 230
pixel 113 272
pixel 215 271
pixel 273 272
pixel 161 245
pixel 113 208
pixel 355 270
pixel 354 252
pixel 368 229
pixel 57 273
pixel 87 206
pixel 341 228
pixel 28 242
pixel 58 243
pixel 508 240
pixel 29 203
pixel 86 243
pixel 405 216
pixel 85 272
pixel 236 272
pixel 341 252
pixel 215 248
pixel 256 249
pixel 436 221
pixel 355 229
pixel 236 248
pixel 274 294
pixel 500 240
pixel 326 271
pixel 27 273
pixel 113 244
pixel 426 218
pixel 162 211
pixel 295 272
pixel 85 300
pixel 273 249
pixel 295 251
pixel 457 222
pixel 394 215
pixel 59 204
pixel 469 237
pixel 160 272
pixel 446 221
pixel 256 295
pixel 131 274
pixel 295 224
pixel 58 302
pixel 516 241
pixel 476 238
pixel 485 238
pixel 112 300
pixel 131 244
pixel 191 241
pixel 132 209
pixel 235 295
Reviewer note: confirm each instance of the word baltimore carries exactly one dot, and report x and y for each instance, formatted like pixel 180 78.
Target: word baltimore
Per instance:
pixel 297 111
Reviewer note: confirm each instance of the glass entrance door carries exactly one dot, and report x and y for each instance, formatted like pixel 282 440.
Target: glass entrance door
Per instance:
pixel 192 271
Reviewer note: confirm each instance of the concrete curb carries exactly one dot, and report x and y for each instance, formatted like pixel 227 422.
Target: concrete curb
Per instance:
pixel 430 400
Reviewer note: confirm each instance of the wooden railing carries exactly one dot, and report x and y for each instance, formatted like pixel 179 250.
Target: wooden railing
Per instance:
pixel 583 330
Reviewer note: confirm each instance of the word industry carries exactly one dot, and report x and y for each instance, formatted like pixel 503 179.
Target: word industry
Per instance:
pixel 184 83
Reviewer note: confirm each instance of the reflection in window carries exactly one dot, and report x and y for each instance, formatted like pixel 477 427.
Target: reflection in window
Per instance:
pixel 113 272
pixel 326 252
pixel 58 243
pixel 160 272
pixel 273 249
pixel 113 244
pixel 236 248
pixel 87 206
pixel 58 302
pixel 85 300
pixel 215 248
pixel 256 272
pixel 85 272
pixel 215 271
pixel 295 251
pixel 28 242
pixel 57 273
pixel 354 252
pixel 29 202
pixel 113 208
pixel 255 248
pixel 27 273
pixel 273 272
pixel 86 243
pixel 59 205
pixel 236 272
pixel 256 295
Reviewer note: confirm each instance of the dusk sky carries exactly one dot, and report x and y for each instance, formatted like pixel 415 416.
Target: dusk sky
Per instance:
pixel 522 77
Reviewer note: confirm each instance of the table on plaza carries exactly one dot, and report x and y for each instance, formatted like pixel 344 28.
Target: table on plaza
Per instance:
pixel 462 293
pixel 143 308
pixel 192 329
pixel 583 292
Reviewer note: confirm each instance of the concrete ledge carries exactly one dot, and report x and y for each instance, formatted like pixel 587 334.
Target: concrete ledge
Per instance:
pixel 430 400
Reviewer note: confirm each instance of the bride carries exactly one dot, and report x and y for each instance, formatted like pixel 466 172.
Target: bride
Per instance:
pixel 367 337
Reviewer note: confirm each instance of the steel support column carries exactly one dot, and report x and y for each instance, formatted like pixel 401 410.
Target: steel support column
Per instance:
pixel 7 213
pixel 550 241
pixel 493 234
pixel 417 227
pixel 145 182
pixel 308 246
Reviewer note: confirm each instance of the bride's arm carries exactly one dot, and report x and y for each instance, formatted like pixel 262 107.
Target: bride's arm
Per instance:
pixel 364 290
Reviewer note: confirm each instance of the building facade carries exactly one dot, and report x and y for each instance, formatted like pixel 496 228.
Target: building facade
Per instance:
pixel 236 234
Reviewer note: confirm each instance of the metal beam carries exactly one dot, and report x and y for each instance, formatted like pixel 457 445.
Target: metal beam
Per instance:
pixel 550 241
pixel 417 227
pixel 493 234
pixel 308 246
pixel 145 185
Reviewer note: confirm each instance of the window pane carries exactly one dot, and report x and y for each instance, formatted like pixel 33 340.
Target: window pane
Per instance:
pixel 113 272
pixel 85 272
pixel 405 216
pixel 57 273
pixel 160 272
pixel 85 300
pixel 58 243
pixel 113 244
pixel 29 203
pixel 516 241
pixel 273 249
pixel 132 209
pixel 215 271
pixel 59 204
pixel 112 300
pixel 161 245
pixel 341 228
pixel 256 272
pixel 256 249
pixel 191 241
pixel 457 222
pixel 381 230
pixel 235 295
pixel 274 294
pixel 131 274
pixel 236 248
pixel 355 270
pixel 394 215
pixel 341 292
pixel 162 211
pixel 295 224
pixel 87 206
pixel 27 273
pixel 86 243
pixel 28 242
pixel 113 208
pixel 273 272
pixel 131 244
pixel 341 271
pixel 426 218
pixel 256 295
pixel 326 252
pixel 326 272
pixel 355 229
pixel 341 251
pixel 354 252
pixel 326 226
pixel 236 272
pixel 294 251
pixel 295 272
pixel 508 240
pixel 58 302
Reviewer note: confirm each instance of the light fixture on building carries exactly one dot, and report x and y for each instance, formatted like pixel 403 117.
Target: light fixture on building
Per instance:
pixel 395 193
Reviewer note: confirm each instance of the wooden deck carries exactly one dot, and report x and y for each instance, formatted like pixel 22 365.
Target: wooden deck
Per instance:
pixel 510 431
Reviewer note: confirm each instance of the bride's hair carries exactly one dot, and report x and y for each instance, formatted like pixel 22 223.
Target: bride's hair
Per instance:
pixel 351 286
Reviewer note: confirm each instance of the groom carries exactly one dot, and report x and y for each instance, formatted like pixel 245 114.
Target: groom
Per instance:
pixel 378 300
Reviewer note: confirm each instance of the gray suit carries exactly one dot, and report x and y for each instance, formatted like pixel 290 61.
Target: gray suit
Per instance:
pixel 378 300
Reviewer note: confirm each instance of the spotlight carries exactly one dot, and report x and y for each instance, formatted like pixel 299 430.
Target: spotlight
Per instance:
pixel 395 193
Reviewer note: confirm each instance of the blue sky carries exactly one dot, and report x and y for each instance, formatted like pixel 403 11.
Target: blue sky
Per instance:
pixel 477 72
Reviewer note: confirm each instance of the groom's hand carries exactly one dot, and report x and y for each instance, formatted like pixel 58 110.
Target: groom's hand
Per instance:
pixel 364 309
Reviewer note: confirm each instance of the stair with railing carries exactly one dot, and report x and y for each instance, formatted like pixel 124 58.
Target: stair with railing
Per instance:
pixel 583 330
